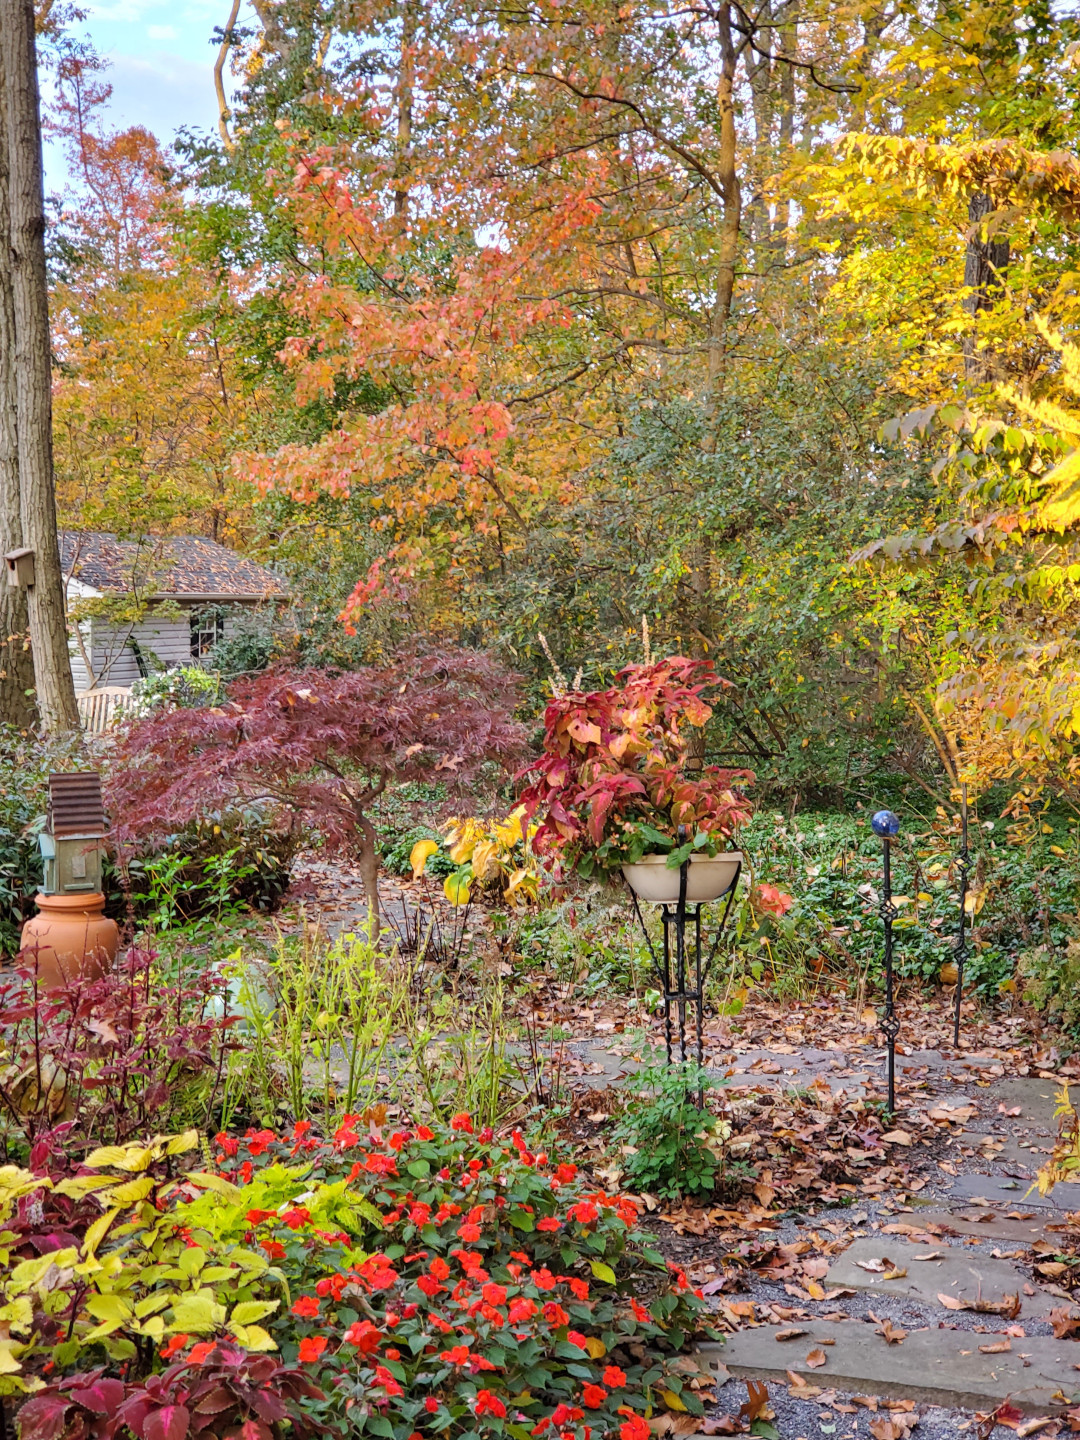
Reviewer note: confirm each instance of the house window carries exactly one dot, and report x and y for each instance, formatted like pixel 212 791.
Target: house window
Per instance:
pixel 206 631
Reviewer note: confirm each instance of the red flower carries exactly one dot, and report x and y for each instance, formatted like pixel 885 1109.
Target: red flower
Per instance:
pixel 640 1313
pixel 773 900
pixel 384 1378
pixel 489 1404
pixel 431 1404
pixel 469 1232
pixel 494 1294
pixel 548 1223
pixel 311 1347
pixel 462 1122
pixel 307 1307
pixel 459 1355
pixel 555 1315
pixel 297 1217
pixel 423 1133
pixel 543 1279
pixel 300 1129
pixel 634 1429
pixel 397 1140
pixel 580 1289
pixel 256 1217
pixel 521 1309
pixel 393 1353
pixel 562 1413
pixel 614 1377
pixel 200 1352
pixel 259 1141
pixel 439 1268
pixel 575 1337
pixel 584 1211
pixel 228 1143
pixel 176 1343
pixel 364 1335
pixel 487 1135
pixel 593 1396
pixel 566 1173
pixel 275 1250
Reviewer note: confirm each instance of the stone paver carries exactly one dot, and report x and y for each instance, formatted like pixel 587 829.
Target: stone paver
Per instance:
pixel 989 1224
pixel 962 1275
pixel 936 1367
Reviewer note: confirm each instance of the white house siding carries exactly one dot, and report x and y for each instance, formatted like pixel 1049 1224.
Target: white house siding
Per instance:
pixel 78 667
pixel 169 641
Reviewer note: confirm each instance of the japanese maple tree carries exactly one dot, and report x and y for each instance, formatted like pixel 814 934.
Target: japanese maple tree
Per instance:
pixel 613 785
pixel 319 747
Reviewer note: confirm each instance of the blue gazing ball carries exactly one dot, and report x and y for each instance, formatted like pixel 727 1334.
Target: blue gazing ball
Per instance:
pixel 885 823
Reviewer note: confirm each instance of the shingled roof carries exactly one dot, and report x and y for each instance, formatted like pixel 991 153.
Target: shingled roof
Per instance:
pixel 180 567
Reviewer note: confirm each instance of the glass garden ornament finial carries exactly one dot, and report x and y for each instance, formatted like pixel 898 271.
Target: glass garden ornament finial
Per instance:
pixel 885 823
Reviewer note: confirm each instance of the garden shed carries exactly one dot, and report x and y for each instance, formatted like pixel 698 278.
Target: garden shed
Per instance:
pixel 141 605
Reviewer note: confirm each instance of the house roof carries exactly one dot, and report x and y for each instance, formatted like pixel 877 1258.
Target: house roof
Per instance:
pixel 180 567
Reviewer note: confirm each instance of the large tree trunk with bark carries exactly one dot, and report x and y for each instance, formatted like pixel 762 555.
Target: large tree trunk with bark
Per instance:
pixel 55 691
pixel 16 665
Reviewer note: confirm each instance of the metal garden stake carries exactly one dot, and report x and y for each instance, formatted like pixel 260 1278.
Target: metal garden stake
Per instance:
pixel 961 937
pixel 886 824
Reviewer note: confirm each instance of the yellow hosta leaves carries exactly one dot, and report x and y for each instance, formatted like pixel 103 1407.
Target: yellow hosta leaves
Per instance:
pixel 483 858
pixel 420 854
pixel 457 890
pixel 672 1401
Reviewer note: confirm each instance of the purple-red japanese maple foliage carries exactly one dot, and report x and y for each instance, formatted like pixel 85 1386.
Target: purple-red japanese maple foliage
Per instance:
pixel 318 747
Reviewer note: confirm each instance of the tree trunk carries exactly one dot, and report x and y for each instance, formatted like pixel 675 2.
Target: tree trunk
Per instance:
pixel 984 262
pixel 732 199
pixel 369 871
pixel 16 665
pixel 54 688
pixel 403 94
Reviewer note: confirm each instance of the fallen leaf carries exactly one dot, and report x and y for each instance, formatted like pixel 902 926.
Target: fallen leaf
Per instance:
pixel 898 1273
pixel 887 1331
pixel 897 1137
pixel 801 1388
pixel 1032 1427
pixel 1008 1306
pixel 999 1347
pixel 792 1334
pixel 931 1255
pixel 1065 1323
pixel 816 1359
pixel 720 1425
pixel 814 1290
pixel 756 1404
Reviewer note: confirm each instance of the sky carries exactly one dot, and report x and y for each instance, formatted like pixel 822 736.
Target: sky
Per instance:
pixel 160 64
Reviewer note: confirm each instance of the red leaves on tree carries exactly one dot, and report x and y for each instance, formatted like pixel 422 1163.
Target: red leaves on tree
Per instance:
pixel 317 747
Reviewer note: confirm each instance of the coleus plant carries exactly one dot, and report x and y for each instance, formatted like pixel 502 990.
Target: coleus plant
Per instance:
pixel 612 784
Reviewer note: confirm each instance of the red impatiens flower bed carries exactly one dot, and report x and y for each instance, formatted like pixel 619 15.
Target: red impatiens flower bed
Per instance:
pixel 425 1282
pixel 506 1292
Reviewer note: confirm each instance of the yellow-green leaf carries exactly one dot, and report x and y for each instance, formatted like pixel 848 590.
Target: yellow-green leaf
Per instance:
pixel 252 1337
pixel 248 1311
pixel 604 1272
pixel 217 1183
pixel 672 1401
pixel 97 1231
pixel 456 889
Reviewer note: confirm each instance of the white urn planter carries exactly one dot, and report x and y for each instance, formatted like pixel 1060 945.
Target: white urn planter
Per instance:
pixel 708 877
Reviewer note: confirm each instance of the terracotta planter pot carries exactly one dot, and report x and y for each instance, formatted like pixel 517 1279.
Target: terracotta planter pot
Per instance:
pixel 69 939
pixel 708 878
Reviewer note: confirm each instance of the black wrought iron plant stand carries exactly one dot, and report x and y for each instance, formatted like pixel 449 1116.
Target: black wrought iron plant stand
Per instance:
pixel 679 969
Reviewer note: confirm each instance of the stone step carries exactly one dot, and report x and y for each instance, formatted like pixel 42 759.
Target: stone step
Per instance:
pixel 931 1367
pixel 964 1276
pixel 986 1224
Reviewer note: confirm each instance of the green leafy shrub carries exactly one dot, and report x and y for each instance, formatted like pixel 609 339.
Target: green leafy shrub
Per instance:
pixel 667 1145
pixel 188 687
pixel 1050 983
